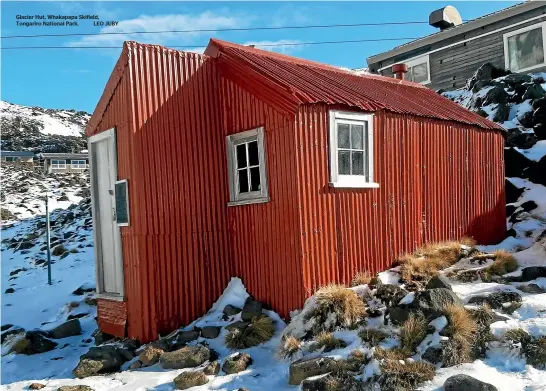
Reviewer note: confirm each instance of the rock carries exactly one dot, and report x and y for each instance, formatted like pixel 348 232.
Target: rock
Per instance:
pixel 190 379
pixel 6 327
pixel 496 299
pixel 85 288
pixel 439 281
pixel 534 91
pixel 390 294
pixel 529 205
pixel 34 342
pixel 89 300
pixel 307 367
pixel 212 369
pixel 431 302
pixel 210 332
pixel 12 331
pixel 517 78
pixel 512 192
pixel 519 139
pixel 540 130
pixel 532 273
pixel 231 310
pixel 398 315
pixel 100 359
pixel 466 383
pixel 486 72
pixel 236 363
pixel 67 329
pixel 75 388
pixel 433 355
pixel 251 309
pixel 187 357
pixel 10 290
pixel 17 271
pixel 36 386
pixel 184 337
pixel 495 95
pixel 237 325
pixel 536 172
pixel 526 119
pixel 150 356
pixel 25 245
pixel 515 163
pixel 136 365
pixel 102 337
pixel 531 288
pixel 501 113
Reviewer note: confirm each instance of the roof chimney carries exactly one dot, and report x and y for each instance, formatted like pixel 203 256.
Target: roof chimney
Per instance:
pixel 399 71
pixel 445 18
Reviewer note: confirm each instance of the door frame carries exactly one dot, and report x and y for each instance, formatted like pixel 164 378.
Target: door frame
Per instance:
pixel 110 133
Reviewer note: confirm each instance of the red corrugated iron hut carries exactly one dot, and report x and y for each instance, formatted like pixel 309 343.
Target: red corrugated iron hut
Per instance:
pixel 284 172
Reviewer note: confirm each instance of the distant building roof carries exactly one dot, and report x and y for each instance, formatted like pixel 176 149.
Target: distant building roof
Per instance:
pixel 64 155
pixel 17 153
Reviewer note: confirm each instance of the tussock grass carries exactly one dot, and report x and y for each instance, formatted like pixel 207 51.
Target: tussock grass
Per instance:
pixel 372 336
pixel 354 362
pixel 504 263
pixel 361 278
pixel 457 350
pixel 517 335
pixel 327 342
pixel 399 376
pixel 412 332
pixel 289 347
pixel 341 302
pixel 460 321
pixel 391 354
pixel 260 330
pixel 483 315
pixel 535 350
pixel 462 328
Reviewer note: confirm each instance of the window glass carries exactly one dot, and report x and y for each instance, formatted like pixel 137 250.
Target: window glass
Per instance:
pixel 357 163
pixel 356 136
pixel 243 181
pixel 253 153
pixel 526 49
pixel 241 156
pixel 351 138
pixel 343 136
pixel 344 162
pixel 255 179
pixel 419 73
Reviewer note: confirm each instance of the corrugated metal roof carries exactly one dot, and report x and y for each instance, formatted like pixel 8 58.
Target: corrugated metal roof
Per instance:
pixel 292 81
pixel 16 153
pixel 64 155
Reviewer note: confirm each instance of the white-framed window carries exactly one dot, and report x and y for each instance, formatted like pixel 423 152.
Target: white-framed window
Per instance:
pixel 246 167
pixel 351 150
pixel 78 164
pixel 418 69
pixel 524 48
pixel 57 164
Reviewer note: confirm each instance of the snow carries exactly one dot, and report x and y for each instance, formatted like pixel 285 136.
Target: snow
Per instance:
pixel 536 152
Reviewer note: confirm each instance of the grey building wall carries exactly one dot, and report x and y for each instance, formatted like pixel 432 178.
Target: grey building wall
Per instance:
pixel 450 68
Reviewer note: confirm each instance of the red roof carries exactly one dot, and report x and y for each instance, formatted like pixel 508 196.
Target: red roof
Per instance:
pixel 291 81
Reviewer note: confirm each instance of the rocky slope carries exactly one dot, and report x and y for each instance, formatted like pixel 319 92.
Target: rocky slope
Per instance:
pixel 42 130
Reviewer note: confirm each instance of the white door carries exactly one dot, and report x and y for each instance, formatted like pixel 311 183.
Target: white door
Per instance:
pixel 109 264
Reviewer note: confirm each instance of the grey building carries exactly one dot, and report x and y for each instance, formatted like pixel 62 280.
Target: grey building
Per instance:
pixel 513 38
pixel 64 162
pixel 17 156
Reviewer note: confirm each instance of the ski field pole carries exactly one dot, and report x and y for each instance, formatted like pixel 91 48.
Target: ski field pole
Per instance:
pixel 48 236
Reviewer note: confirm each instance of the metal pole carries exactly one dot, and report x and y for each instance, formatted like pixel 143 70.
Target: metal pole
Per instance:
pixel 48 235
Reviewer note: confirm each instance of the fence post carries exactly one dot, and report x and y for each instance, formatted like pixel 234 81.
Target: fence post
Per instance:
pixel 48 236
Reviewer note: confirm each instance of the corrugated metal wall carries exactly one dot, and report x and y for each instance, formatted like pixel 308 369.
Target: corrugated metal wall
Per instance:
pixel 438 181
pixel 264 237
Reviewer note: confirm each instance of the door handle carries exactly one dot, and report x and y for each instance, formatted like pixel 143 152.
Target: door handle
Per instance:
pixel 114 217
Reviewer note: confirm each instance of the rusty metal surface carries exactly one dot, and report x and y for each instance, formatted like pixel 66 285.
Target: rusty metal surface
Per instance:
pixel 437 181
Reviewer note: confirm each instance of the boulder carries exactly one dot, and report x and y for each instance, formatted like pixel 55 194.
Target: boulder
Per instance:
pixel 231 310
pixel 9 290
pixel 496 299
pixel 466 383
pixel 236 363
pixel 187 357
pixel 529 205
pixel 398 315
pixel 439 281
pixel 150 355
pixel 34 342
pixel 534 91
pixel 237 325
pixel 251 309
pixel 502 113
pixel 75 388
pixel 532 273
pixel 101 359
pixel 531 288
pixel 85 288
pixel 307 367
pixel 515 163
pixel 212 368
pixel 11 331
pixel 526 119
pixel 210 332
pixel 540 130
pixel 184 337
pixel 102 337
pixel 190 379
pixel 431 302
pixel 536 172
pixel 486 72
pixel 36 386
pixel 136 364
pixel 512 192
pixel 495 95
pixel 67 329
pixel 390 294
pixel 517 78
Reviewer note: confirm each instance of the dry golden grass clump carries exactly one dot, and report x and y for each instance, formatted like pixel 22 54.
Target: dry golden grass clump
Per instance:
pixel 456 350
pixel 372 336
pixel 361 278
pixel 340 301
pixel 504 263
pixel 483 315
pixel 460 321
pixel 391 354
pixel 327 342
pixel 289 347
pixel 412 332
pixel 463 331
pixel 260 330
pixel 399 376
pixel 354 362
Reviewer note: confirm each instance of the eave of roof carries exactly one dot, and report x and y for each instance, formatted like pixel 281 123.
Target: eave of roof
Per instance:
pixel 457 30
pixel 17 153
pixel 63 155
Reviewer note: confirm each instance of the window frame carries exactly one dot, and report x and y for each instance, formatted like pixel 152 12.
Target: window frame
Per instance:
pixel 13 159
pixel 57 166
pixel 351 181
pixel 417 61
pixel 78 166
pixel 510 34
pixel 251 197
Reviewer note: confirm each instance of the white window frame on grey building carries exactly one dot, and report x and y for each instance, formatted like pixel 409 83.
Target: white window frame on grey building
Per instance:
pixel 247 167
pixel 418 61
pixel 507 36
pixel 78 164
pixel 359 145
pixel 58 164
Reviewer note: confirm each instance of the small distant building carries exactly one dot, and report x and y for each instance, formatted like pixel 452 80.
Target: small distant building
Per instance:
pixel 64 162
pixel 17 156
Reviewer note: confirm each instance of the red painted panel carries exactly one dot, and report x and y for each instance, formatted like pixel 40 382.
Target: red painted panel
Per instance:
pixel 112 316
